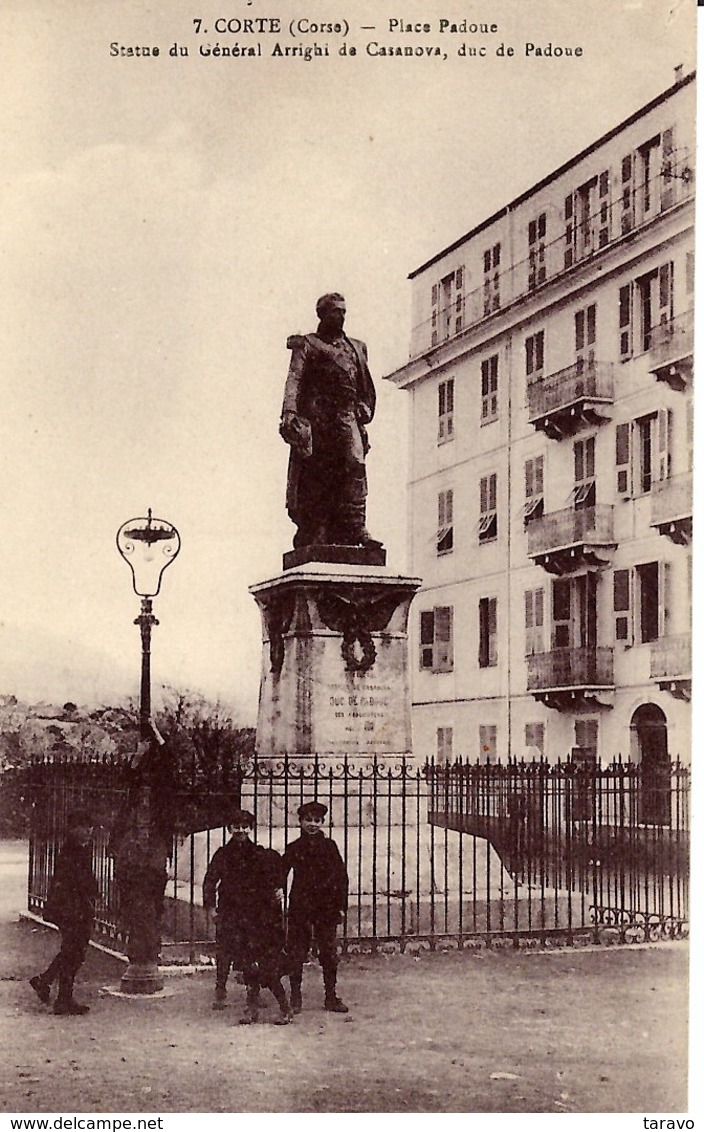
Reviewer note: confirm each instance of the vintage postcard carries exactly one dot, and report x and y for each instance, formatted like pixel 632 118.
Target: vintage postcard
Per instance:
pixel 346 587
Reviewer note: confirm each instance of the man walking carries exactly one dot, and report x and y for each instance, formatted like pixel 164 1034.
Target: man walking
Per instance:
pixel 70 905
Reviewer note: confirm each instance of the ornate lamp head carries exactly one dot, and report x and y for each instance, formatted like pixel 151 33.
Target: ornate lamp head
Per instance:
pixel 148 546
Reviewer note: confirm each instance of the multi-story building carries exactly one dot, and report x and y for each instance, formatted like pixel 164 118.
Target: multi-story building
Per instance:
pixel 550 495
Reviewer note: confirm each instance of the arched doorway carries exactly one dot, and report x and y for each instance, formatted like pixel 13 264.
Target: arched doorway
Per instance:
pixel 649 731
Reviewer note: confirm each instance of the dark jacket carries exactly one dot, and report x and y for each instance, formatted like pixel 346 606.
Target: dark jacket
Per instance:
pixel 320 880
pixel 242 880
pixel 73 889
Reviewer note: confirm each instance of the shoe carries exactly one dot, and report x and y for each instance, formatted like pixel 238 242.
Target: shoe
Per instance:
pixel 251 1010
pixel 335 1005
pixel 296 1002
pixel 42 989
pixel 219 998
pixel 70 1008
pixel 285 1016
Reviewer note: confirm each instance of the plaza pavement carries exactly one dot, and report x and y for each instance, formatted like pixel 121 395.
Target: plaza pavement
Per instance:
pixel 570 1030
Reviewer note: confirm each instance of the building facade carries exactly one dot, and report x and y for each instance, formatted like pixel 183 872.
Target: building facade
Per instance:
pixel 550 494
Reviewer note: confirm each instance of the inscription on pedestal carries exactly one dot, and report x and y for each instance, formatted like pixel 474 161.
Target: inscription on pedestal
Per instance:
pixel 360 718
pixel 335 664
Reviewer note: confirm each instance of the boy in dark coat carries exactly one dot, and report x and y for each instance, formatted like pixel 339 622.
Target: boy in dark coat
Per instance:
pixel 70 905
pixel 317 903
pixel 244 881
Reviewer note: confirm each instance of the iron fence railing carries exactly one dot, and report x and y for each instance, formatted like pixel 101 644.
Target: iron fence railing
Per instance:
pixel 437 855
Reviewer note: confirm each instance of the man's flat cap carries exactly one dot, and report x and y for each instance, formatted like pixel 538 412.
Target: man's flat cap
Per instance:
pixel 312 810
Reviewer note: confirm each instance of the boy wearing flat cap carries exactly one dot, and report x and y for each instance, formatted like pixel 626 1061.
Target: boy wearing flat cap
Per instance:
pixel 317 903
pixel 245 880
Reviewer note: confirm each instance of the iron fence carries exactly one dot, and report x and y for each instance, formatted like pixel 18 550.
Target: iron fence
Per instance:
pixel 438 855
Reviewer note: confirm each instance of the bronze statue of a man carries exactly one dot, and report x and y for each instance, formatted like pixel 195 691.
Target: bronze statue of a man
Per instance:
pixel 328 401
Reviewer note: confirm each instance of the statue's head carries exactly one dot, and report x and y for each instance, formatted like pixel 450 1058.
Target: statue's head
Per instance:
pixel 331 310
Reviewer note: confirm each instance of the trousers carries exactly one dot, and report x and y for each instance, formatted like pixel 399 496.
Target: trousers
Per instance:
pixel 303 927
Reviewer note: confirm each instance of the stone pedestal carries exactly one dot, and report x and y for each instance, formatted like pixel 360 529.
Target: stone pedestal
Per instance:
pixel 334 679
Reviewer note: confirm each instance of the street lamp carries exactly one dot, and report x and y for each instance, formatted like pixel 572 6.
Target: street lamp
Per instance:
pixel 142 835
pixel 148 546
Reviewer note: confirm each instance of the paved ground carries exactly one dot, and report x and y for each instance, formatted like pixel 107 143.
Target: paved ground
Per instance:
pixel 568 1031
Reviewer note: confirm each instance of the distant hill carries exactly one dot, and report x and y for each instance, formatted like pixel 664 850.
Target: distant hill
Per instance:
pixel 36 665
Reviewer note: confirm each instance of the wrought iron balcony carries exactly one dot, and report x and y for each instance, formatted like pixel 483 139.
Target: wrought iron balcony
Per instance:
pixel 672 508
pixel 571 398
pixel 671 350
pixel 566 679
pixel 563 541
pixel 671 664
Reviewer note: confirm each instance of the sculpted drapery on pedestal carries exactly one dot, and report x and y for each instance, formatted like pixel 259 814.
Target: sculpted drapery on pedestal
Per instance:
pixel 328 402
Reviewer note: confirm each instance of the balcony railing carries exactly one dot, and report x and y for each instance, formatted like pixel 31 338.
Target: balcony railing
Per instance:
pixel 671 657
pixel 520 280
pixel 557 530
pixel 671 500
pixel 587 667
pixel 671 341
pixel 570 385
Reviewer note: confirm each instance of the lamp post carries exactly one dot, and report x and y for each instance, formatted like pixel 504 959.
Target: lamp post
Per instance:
pixel 142 835
pixel 148 546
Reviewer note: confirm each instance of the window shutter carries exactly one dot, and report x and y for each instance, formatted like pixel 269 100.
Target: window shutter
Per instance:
pixel 570 231
pixel 689 273
pixel 665 594
pixel 539 619
pixel 623 460
pixel 579 331
pixel 492 624
pixel 530 478
pixel 665 290
pixel 561 613
pixel 625 321
pixel 664 443
pixel 604 219
pixel 443 638
pixel 667 195
pixel 530 621
pixel 623 629
pixel 483 632
pixel 492 491
pixel 530 355
pixel 538 473
pixel 427 636
pixel 627 193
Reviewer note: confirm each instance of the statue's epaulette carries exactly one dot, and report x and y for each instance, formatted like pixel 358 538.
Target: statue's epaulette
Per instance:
pixel 296 341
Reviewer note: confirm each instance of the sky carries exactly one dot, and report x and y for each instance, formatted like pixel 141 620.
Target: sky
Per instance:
pixel 166 223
